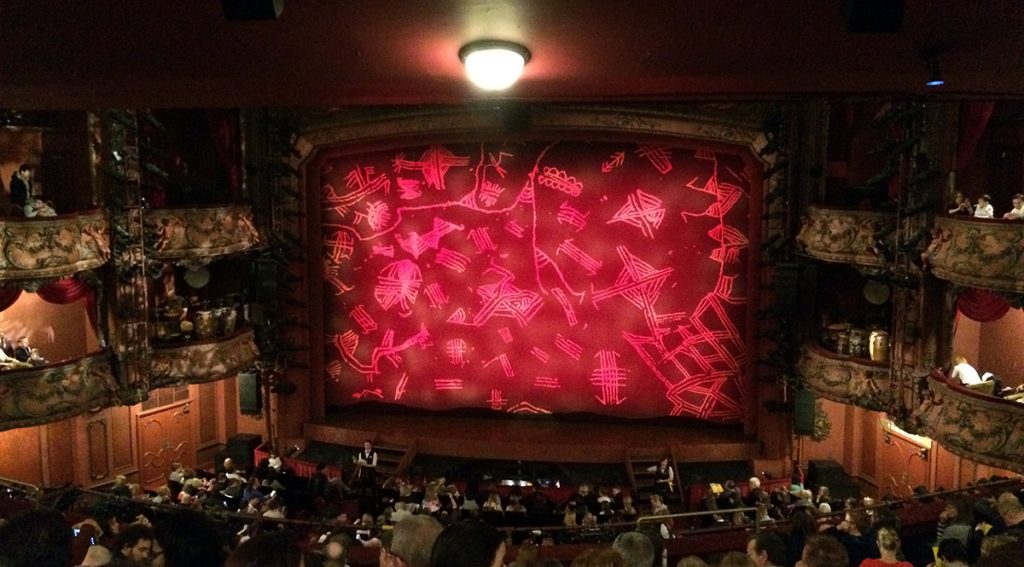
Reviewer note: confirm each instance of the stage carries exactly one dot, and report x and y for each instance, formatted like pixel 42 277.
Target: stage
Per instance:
pixel 535 438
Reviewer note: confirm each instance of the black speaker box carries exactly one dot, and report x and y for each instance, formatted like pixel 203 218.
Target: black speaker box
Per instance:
pixel 873 16
pixel 825 472
pixel 803 412
pixel 241 448
pixel 251 10
pixel 250 393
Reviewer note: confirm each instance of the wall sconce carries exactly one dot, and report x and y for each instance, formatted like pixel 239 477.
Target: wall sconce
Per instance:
pixel 494 65
pixel 923 453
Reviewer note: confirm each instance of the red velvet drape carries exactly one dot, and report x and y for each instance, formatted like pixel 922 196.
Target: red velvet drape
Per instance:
pixel 225 131
pixel 982 305
pixel 8 296
pixel 69 290
pixel 974 118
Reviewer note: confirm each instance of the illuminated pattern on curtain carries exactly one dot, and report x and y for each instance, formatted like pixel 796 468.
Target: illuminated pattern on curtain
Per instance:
pixel 538 277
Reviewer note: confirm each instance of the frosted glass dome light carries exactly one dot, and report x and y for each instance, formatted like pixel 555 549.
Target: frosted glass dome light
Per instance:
pixel 494 65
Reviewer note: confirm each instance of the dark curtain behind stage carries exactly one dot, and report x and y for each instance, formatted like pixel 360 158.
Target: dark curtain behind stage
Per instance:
pixel 539 277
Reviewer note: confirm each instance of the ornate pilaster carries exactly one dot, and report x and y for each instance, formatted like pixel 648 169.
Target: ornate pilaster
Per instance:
pixel 119 161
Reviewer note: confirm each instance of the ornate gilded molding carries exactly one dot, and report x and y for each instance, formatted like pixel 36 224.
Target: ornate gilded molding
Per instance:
pixel 839 235
pixel 197 236
pixel 982 428
pixel 682 123
pixel 204 361
pixel 980 253
pixel 53 247
pixel 853 381
pixel 32 396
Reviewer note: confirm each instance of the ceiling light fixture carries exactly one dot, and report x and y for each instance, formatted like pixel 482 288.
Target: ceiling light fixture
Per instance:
pixel 934 73
pixel 494 65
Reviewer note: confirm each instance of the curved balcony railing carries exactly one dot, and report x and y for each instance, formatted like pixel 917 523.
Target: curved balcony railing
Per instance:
pixel 201 234
pixel 841 235
pixel 31 396
pixel 980 253
pixel 53 247
pixel 980 427
pixel 840 378
pixel 203 361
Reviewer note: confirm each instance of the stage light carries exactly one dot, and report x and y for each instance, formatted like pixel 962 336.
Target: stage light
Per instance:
pixel 494 65
pixel 934 73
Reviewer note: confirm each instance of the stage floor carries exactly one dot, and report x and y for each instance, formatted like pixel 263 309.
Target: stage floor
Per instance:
pixel 546 438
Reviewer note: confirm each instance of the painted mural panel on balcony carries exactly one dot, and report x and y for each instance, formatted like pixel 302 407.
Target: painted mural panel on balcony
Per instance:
pixel 199 235
pixel 31 396
pixel 53 247
pixel 839 235
pixel 854 381
pixel 204 361
pixel 980 253
pixel 975 426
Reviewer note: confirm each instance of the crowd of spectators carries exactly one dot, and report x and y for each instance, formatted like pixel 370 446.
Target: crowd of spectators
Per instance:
pixel 266 518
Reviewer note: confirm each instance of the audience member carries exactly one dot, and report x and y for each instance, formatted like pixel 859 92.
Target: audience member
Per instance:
pixel 269 549
pixel 412 542
pixel 889 546
pixel 691 561
pixel 984 209
pixel 767 549
pixel 961 205
pixel 964 372
pixel 735 559
pixel 951 553
pixel 1017 212
pixel 470 543
pixel 134 545
pixel 35 538
pixel 636 549
pixel 599 557
pixel 823 551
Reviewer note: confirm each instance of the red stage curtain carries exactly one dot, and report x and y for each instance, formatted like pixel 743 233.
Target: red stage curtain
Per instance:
pixel 8 296
pixel 224 130
pixel 69 290
pixel 974 117
pixel 982 305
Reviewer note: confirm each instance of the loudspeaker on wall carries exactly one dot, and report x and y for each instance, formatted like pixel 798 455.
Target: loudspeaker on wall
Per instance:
pixel 803 412
pixel 250 394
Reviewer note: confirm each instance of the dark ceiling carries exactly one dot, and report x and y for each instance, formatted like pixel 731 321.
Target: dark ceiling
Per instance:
pixel 183 53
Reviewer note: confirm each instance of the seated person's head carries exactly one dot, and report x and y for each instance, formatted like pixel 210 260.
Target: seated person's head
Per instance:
pixel 268 549
pixel 36 537
pixel 824 551
pixel 468 544
pixel 135 543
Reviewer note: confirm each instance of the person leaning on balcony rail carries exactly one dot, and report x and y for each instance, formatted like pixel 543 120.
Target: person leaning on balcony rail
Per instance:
pixel 984 209
pixel 961 205
pixel 964 372
pixel 1017 212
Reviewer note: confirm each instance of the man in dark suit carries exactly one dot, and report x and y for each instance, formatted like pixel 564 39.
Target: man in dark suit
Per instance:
pixel 5 345
pixel 21 185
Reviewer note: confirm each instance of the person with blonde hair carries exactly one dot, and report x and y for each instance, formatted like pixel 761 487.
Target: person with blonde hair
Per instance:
pixel 889 546
pixel 964 372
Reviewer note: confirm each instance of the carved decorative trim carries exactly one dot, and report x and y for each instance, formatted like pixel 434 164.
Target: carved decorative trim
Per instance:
pixel 197 236
pixel 53 247
pixel 846 380
pixel 33 396
pixel 982 428
pixel 204 361
pixel 838 235
pixel 743 131
pixel 980 253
